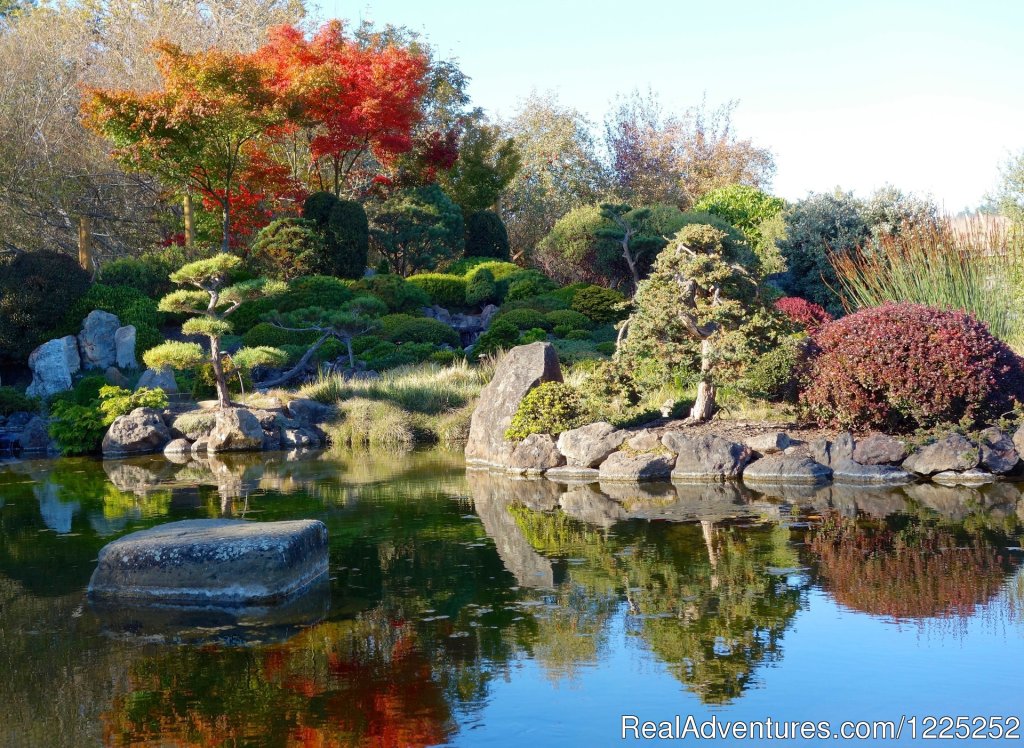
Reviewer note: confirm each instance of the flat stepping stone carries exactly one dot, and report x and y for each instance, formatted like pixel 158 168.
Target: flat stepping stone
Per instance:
pixel 213 562
pixel 781 468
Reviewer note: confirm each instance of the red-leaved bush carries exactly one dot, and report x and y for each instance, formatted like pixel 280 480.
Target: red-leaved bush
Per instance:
pixel 898 367
pixel 804 313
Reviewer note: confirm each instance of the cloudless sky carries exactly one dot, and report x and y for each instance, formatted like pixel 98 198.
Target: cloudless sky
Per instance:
pixel 922 94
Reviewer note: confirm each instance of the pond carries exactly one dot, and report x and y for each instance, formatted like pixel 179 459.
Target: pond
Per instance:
pixel 471 609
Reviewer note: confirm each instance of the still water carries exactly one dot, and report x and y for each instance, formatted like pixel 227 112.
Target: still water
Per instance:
pixel 476 610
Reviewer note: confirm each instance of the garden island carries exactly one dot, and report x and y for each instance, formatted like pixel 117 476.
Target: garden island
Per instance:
pixel 404 423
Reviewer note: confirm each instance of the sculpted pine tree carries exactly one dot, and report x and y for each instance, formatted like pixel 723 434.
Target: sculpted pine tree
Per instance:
pixel 699 309
pixel 213 299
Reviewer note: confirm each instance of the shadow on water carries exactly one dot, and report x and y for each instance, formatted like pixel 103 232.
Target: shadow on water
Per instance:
pixel 443 583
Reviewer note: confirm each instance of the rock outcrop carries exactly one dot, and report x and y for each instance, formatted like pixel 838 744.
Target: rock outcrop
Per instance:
pixel 535 454
pixel 140 432
pixel 952 452
pixel 589 445
pixel 786 469
pixel 96 342
pixel 52 364
pixel 518 372
pixel 124 347
pixel 162 378
pixel 706 457
pixel 235 430
pixel 631 466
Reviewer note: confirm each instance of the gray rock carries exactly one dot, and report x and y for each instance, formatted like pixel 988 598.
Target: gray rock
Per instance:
pixel 518 372
pixel 124 347
pixel 951 452
pixel 235 430
pixel 487 314
pixel 706 457
pixel 572 474
pixel 114 376
pixel 786 469
pixel 96 341
pixel 35 437
pixel 301 437
pixel 212 561
pixel 833 453
pixel 770 443
pixel 636 466
pixel 589 445
pixel 140 432
pixel 162 378
pixel 309 411
pixel 998 455
pixel 821 451
pixel 879 449
pixel 972 477
pixel 178 447
pixel 18 419
pixel 51 365
pixel 853 472
pixel 1018 440
pixel 536 453
pixel 199 446
pixel 646 440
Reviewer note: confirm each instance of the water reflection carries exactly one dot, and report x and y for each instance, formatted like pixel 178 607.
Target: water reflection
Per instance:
pixel 446 586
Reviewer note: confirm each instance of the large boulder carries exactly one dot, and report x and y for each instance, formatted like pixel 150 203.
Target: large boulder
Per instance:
pixel 536 453
pixel 951 452
pixel 769 443
pixel 52 365
pixel 210 561
pixel 96 341
pixel 783 468
pixel 235 430
pixel 518 372
pixel 998 453
pixel 879 449
pixel 636 466
pixel 589 445
pixel 35 437
pixel 124 347
pixel 706 457
pixel 162 378
pixel 140 432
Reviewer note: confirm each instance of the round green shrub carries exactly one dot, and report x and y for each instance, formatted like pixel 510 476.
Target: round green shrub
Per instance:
pixel 527 284
pixel 267 334
pixel 599 304
pixel 533 335
pixel 404 328
pixel 549 408
pixel 364 343
pixel 578 335
pixel 499 268
pixel 443 289
pixel 395 291
pixel 774 375
pixel 314 290
pixel 568 293
pixel 560 331
pixel 573 351
pixel 573 319
pixel 486 235
pixel 288 248
pixel 36 291
pixel 544 303
pixel 318 206
pixel 525 319
pixel 480 287
pixel 149 272
pixel 500 335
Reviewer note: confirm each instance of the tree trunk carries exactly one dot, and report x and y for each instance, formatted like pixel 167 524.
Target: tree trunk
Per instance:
pixel 628 255
pixel 85 243
pixel 190 228
pixel 705 406
pixel 351 355
pixel 297 369
pixel 226 243
pixel 223 396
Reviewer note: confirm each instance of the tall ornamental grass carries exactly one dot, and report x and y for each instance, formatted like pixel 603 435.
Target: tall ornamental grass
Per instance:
pixel 974 265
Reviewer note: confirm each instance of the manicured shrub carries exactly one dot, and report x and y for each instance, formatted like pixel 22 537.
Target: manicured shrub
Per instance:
pixel 443 289
pixel 289 248
pixel 525 319
pixel 13 401
pixel 318 206
pixel 574 351
pixel 528 283
pixel 578 335
pixel 129 305
pixel 36 291
pixel 404 328
pixel 500 335
pixel 267 334
pixel 395 291
pixel 147 273
pixel 560 331
pixel 480 287
pixel 348 239
pixel 302 293
pixel 390 356
pixel 599 304
pixel 544 303
pixel 416 228
pixel 775 375
pixel 486 235
pixel 533 335
pixel 903 366
pixel 804 314
pixel 610 389
pixel 568 293
pixel 549 408
pixel 573 319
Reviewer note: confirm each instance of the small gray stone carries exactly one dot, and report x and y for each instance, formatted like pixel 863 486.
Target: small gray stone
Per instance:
pixel 301 437
pixel 770 443
pixel 853 472
pixel 140 432
pixel 636 466
pixel 212 561
pixel 998 454
pixel 706 457
pixel 880 449
pixel 589 445
pixel 199 446
pixel 124 347
pixel 951 452
pixel 841 451
pixel 821 451
pixel 646 440
pixel 786 469
pixel 96 341
pixel 178 447
pixel 536 453
pixel 972 477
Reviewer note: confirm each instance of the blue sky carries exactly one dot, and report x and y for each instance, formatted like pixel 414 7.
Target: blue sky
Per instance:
pixel 923 95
